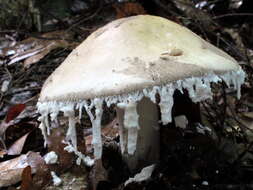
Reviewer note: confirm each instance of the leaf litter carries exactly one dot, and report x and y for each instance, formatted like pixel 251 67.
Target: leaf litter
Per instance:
pixel 186 153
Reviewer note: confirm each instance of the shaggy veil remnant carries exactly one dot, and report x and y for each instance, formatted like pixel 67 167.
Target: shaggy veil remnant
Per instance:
pixel 197 87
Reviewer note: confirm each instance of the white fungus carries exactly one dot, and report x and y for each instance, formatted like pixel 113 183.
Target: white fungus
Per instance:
pixel 197 87
pixel 5 85
pixel 166 102
pixel 205 183
pixel 86 159
pixel 181 121
pixel 71 133
pixel 142 176
pixel 131 124
pixel 56 180
pixel 51 158
pixel 96 127
pixel 43 130
pixel 125 72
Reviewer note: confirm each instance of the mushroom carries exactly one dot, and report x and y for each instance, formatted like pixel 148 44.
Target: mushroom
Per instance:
pixel 128 63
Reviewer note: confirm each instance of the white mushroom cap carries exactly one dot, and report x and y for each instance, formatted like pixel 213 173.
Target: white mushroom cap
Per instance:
pixel 132 54
pixel 124 62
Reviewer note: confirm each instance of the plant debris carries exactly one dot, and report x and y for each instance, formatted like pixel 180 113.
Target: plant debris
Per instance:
pixel 217 154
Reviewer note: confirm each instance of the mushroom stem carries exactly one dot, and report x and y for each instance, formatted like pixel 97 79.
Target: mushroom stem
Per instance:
pixel 147 148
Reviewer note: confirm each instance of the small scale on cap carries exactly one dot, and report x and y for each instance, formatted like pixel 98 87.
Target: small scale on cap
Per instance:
pixel 127 60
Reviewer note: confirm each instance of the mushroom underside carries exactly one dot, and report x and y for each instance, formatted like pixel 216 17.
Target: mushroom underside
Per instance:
pixel 131 110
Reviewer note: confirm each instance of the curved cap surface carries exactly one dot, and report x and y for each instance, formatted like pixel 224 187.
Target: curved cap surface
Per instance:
pixel 131 54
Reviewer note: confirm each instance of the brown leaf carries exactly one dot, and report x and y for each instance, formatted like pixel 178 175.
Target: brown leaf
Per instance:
pixel 27 181
pixel 11 170
pixel 110 130
pixel 2 153
pixel 128 9
pixel 35 58
pixel 47 47
pixel 33 49
pixel 3 127
pixel 98 173
pixel 17 146
pixel 249 115
pixel 55 144
pixel 14 111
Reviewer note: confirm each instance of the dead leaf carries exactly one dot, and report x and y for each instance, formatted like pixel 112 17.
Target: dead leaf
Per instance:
pixel 39 56
pixel 11 170
pixel 249 102
pixel 128 9
pixel 249 115
pixel 27 181
pixel 98 174
pixel 65 160
pixel 17 147
pixel 43 51
pixel 110 131
pixel 28 112
pixel 2 153
pixel 33 49
pixel 14 111
pixel 248 123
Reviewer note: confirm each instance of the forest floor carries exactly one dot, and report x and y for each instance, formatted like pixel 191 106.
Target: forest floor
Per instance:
pixel 189 159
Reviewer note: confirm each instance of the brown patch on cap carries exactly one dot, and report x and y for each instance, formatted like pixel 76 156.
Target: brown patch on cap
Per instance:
pixel 176 52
